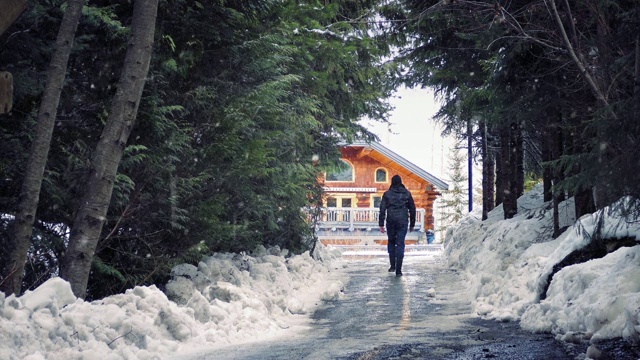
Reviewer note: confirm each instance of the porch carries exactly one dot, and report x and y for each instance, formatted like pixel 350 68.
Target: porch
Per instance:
pixel 358 226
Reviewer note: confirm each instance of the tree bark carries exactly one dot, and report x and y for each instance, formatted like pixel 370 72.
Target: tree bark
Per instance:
pixel 508 172
pixel 488 173
pixel 636 88
pixel 556 216
pixel 499 177
pixel 519 161
pixel 513 186
pixel 636 76
pixel 90 217
pixel 547 174
pixel 584 202
pixel 557 150
pixel 13 270
pixel 470 161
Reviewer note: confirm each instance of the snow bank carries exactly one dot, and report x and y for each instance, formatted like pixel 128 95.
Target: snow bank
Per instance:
pixel 226 299
pixel 508 263
pixel 599 299
pixel 499 255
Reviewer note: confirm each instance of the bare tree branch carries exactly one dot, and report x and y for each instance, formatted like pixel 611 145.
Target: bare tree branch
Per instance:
pixel 577 59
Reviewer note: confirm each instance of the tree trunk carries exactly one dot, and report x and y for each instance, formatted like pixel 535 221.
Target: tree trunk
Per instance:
pixel 556 216
pixel 13 270
pixel 512 173
pixel 559 147
pixel 499 176
pixel 92 212
pixel 636 89
pixel 584 202
pixel 636 76
pixel 491 180
pixel 488 173
pixel 508 172
pixel 519 161
pixel 558 193
pixel 556 142
pixel 547 173
pixel 470 161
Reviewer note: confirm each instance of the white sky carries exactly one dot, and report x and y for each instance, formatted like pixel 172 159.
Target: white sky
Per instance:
pixel 413 134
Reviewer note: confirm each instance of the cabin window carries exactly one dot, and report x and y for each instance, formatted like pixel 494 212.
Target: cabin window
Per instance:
pixel 376 201
pixel 343 172
pixel 340 201
pixel 381 176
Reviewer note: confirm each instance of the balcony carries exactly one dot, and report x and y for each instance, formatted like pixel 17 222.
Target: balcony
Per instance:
pixel 354 219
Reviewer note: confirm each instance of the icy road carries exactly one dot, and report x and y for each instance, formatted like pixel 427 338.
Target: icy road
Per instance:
pixel 421 315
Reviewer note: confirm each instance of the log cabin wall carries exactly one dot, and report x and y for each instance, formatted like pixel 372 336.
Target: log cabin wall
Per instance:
pixel 365 167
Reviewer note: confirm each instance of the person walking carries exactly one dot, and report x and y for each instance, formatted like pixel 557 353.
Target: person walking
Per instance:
pixel 399 210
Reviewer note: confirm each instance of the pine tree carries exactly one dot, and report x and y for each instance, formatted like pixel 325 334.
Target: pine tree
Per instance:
pixel 455 200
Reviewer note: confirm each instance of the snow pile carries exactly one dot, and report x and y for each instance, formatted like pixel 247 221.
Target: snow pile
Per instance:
pixel 227 298
pixel 500 255
pixel 508 263
pixel 599 299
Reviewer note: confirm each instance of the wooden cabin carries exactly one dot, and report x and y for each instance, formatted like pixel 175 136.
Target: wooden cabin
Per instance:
pixel 352 195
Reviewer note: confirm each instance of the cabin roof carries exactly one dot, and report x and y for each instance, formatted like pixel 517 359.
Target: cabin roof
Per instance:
pixel 413 168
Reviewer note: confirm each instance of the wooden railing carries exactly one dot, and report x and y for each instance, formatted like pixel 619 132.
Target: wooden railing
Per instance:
pixel 353 218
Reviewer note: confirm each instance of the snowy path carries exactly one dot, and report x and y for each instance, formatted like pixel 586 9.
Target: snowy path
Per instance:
pixel 423 314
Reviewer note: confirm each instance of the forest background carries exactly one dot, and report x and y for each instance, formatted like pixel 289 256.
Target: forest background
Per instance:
pixel 149 133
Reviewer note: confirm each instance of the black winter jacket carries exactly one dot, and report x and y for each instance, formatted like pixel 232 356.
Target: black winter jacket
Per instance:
pixel 397 205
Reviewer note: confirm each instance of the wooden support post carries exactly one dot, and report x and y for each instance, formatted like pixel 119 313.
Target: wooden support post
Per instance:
pixel 11 9
pixel 352 215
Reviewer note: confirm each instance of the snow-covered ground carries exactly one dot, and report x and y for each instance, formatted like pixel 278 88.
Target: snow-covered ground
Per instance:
pixel 231 299
pixel 508 262
pixel 227 299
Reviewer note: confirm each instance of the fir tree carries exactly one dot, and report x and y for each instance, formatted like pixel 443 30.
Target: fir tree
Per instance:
pixel 454 200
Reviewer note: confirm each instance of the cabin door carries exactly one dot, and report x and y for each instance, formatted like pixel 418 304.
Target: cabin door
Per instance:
pixel 338 208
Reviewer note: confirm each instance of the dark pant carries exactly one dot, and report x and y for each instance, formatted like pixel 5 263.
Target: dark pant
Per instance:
pixel 396 232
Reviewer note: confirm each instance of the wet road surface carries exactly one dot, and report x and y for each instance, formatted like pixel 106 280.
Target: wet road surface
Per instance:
pixel 422 315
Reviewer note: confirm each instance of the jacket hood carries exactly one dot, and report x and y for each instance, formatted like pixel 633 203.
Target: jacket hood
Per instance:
pixel 396 180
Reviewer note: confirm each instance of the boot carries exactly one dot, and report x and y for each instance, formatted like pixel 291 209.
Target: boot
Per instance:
pixel 399 266
pixel 392 260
